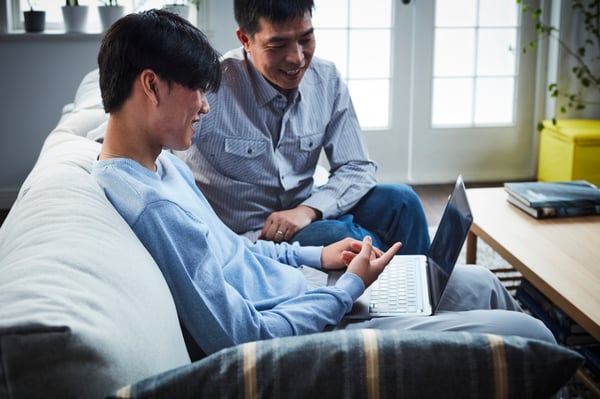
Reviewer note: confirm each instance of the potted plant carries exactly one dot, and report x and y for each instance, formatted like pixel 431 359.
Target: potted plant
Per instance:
pixel 569 148
pixel 109 12
pixel 34 20
pixel 74 16
pixel 584 56
pixel 182 7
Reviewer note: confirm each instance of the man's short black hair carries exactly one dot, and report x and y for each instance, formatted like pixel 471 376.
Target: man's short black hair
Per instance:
pixel 248 12
pixel 159 40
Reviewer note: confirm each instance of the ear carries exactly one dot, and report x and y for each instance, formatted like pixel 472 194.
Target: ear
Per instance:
pixel 244 39
pixel 148 81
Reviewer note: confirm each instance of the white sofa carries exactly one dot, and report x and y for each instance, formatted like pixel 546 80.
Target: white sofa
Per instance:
pixel 74 276
pixel 85 311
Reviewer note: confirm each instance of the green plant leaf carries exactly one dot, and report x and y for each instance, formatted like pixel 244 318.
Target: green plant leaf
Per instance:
pixel 540 126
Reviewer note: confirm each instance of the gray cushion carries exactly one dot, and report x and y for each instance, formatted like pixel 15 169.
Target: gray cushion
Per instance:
pixel 83 307
pixel 371 363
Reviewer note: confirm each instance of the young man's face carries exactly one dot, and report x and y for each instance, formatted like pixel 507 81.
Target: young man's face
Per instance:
pixel 281 52
pixel 182 108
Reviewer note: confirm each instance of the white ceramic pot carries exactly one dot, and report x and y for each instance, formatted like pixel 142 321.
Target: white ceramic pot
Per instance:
pixel 183 10
pixel 75 18
pixel 109 14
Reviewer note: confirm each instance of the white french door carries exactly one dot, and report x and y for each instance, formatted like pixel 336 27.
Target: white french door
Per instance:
pixel 474 115
pixel 460 94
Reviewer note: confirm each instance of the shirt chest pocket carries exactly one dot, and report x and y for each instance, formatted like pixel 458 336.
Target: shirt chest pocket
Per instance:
pixel 245 148
pixel 303 154
pixel 309 143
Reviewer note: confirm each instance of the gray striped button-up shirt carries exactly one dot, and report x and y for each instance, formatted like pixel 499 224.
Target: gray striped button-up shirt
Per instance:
pixel 256 151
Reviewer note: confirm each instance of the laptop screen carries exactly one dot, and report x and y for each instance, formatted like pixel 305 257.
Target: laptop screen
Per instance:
pixel 448 241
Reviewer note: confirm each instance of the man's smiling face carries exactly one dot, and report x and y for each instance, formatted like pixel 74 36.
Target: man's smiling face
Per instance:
pixel 282 52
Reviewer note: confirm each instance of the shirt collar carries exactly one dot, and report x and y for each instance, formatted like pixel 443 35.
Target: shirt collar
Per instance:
pixel 265 92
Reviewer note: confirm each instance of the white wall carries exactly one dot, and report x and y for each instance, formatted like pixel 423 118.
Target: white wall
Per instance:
pixel 39 73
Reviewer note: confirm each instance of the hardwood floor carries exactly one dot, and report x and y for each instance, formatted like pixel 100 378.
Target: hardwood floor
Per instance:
pixel 435 196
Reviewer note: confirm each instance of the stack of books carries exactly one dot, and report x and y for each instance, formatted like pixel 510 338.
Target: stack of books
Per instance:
pixel 561 199
pixel 565 330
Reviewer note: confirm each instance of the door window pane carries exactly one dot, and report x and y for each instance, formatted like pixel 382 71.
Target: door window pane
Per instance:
pixel 370 13
pixel 494 101
pixel 498 13
pixel 357 36
pixel 371 99
pixel 331 13
pixel 454 52
pixel 456 13
pixel 452 102
pixel 483 54
pixel 369 54
pixel 332 45
pixel 495 51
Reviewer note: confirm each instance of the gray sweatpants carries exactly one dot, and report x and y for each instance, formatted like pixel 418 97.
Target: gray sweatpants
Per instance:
pixel 474 301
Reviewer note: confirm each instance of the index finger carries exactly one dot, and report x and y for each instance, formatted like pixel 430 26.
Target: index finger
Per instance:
pixel 387 256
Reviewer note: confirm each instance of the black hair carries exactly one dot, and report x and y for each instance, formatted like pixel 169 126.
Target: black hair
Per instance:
pixel 248 12
pixel 159 40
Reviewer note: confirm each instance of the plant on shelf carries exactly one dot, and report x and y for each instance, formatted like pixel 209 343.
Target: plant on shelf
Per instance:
pixel 34 21
pixel 74 16
pixel 109 12
pixel 585 54
pixel 195 3
pixel 182 7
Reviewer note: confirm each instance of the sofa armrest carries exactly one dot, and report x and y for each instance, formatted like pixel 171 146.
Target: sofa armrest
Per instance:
pixel 84 308
pixel 86 112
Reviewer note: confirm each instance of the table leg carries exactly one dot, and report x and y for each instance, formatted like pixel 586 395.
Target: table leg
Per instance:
pixel 471 255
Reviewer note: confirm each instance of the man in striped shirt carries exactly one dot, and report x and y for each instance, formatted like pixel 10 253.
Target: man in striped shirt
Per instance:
pixel 278 108
pixel 228 290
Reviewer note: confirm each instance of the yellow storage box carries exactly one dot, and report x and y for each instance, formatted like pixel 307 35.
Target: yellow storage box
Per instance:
pixel 570 150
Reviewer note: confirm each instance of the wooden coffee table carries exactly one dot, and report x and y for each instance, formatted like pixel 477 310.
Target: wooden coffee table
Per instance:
pixel 560 257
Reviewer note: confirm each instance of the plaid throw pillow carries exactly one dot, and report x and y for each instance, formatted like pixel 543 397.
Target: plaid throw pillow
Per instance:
pixel 371 364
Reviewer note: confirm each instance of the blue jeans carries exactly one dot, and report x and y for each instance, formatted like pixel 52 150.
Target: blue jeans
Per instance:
pixel 388 213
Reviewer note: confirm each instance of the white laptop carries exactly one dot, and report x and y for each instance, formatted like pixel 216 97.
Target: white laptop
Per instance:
pixel 414 284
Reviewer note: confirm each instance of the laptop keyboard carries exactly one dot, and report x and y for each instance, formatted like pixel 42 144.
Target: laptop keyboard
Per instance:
pixel 395 291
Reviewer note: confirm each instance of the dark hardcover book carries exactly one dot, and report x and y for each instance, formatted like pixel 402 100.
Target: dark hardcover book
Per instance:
pixel 561 199
pixel 562 336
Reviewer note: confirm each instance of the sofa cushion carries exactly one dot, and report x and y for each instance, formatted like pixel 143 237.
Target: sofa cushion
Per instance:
pixel 371 363
pixel 88 92
pixel 86 110
pixel 85 309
